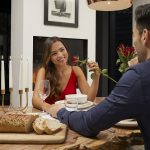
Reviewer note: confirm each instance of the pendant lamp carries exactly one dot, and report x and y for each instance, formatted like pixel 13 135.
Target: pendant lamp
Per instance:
pixel 109 5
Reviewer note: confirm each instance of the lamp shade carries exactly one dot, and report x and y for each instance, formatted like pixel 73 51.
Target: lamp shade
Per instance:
pixel 109 5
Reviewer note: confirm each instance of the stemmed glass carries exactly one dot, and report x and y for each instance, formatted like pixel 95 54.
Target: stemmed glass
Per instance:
pixel 43 90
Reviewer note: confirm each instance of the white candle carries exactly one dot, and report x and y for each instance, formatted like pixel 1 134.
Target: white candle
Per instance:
pixel 27 77
pixel 21 75
pixel 10 74
pixel 2 74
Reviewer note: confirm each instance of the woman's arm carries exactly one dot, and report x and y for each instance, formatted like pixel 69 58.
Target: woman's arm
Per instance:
pixel 93 66
pixel 36 101
pixel 83 85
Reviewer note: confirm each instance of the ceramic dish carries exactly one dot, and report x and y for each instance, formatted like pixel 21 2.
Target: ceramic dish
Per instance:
pixel 73 107
pixel 34 113
pixel 73 98
pixel 127 123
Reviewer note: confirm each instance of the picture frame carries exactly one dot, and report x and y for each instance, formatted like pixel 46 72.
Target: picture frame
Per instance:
pixel 61 13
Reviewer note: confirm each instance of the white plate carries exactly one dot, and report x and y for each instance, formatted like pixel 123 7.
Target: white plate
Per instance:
pixel 127 123
pixel 43 115
pixel 33 113
pixel 74 109
pixel 81 107
pixel 60 102
pixel 88 104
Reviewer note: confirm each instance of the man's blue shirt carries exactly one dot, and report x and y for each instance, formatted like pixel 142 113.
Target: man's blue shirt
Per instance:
pixel 129 99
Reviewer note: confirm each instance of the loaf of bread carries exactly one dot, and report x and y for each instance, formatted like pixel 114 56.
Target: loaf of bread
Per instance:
pixel 42 125
pixel 20 123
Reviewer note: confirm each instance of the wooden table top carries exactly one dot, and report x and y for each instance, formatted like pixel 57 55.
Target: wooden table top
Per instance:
pixel 114 138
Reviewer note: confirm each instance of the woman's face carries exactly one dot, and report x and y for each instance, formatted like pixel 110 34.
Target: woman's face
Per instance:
pixel 58 54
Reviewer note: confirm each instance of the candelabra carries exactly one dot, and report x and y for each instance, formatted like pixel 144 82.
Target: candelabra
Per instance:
pixel 11 107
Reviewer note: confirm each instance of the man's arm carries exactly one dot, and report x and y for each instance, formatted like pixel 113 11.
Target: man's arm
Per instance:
pixel 119 105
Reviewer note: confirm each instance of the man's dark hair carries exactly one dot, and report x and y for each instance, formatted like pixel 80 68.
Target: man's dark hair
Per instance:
pixel 142 17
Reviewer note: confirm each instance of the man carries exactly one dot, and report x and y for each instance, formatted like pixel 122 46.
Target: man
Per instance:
pixel 131 96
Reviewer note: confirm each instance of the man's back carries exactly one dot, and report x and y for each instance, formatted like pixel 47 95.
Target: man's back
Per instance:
pixel 144 114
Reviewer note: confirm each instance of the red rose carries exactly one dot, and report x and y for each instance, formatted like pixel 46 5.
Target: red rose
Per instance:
pixel 125 54
pixel 75 60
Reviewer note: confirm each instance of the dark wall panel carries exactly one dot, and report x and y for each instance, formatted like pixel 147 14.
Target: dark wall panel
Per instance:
pixel 5 30
pixel 112 28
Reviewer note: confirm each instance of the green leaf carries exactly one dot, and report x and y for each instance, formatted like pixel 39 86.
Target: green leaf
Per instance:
pixel 123 65
pixel 126 68
pixel 118 61
pixel 120 70
pixel 104 71
pixel 122 58
pixel 92 76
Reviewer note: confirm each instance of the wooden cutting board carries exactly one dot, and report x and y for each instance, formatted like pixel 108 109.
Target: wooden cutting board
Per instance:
pixel 33 138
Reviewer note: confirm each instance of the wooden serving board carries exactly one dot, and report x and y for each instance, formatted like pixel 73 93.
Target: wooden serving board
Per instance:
pixel 34 138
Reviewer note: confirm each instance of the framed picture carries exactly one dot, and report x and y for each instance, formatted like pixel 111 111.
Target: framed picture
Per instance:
pixel 61 13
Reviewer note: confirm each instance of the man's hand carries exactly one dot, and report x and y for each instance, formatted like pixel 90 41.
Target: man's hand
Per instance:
pixel 53 109
pixel 133 61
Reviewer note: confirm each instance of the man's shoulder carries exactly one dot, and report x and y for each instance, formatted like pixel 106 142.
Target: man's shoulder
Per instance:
pixel 141 69
pixel 144 66
pixel 136 72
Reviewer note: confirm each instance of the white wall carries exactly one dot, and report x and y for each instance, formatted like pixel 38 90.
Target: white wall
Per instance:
pixel 28 21
pixel 16 42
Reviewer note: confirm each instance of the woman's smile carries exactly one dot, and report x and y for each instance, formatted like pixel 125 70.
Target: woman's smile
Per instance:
pixel 62 59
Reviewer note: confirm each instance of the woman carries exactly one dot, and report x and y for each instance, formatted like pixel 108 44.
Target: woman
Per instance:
pixel 63 77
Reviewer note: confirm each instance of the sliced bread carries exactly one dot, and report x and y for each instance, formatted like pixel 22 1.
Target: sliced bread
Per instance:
pixel 38 125
pixel 51 126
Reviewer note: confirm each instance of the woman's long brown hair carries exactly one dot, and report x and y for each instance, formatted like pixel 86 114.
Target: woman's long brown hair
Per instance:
pixel 50 70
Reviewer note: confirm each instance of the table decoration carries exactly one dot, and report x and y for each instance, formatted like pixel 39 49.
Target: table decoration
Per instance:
pixel 11 107
pixel 125 54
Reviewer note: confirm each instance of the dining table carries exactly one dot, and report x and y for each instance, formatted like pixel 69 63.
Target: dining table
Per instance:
pixel 114 138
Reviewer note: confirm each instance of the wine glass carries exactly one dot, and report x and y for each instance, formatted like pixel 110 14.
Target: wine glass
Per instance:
pixel 43 90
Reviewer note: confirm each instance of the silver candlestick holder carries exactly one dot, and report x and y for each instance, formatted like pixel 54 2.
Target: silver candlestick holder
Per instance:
pixel 11 107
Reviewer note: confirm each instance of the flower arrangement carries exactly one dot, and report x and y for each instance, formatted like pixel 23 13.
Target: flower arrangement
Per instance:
pixel 125 54
pixel 78 62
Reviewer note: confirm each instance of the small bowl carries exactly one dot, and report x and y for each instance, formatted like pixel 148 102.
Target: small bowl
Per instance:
pixel 74 98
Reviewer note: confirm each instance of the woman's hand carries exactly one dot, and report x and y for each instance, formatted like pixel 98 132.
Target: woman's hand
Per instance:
pixel 93 66
pixel 53 109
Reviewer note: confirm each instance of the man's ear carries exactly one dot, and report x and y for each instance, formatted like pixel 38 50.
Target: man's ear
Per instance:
pixel 145 36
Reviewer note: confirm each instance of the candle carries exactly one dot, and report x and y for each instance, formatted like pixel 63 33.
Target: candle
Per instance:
pixel 2 74
pixel 21 75
pixel 27 77
pixel 10 73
